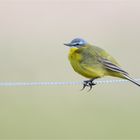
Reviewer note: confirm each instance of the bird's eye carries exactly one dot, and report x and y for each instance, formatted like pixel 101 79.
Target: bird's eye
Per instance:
pixel 76 44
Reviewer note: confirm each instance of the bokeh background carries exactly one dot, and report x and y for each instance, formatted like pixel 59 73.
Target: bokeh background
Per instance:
pixel 32 33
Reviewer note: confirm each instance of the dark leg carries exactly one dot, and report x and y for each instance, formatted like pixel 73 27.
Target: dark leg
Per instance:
pixel 88 83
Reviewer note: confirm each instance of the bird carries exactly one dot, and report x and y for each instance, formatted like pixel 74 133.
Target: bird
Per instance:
pixel 94 62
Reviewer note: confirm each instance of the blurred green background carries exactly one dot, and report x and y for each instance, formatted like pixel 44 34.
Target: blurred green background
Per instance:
pixel 32 33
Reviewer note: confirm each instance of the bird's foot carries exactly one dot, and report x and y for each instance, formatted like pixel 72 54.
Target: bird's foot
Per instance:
pixel 88 83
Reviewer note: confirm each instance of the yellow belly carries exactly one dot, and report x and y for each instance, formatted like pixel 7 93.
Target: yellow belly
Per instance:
pixel 85 71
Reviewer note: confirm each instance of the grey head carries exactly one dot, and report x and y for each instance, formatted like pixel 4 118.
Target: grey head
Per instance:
pixel 77 42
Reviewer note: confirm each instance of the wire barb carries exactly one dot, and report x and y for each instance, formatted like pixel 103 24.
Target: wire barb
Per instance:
pixel 15 84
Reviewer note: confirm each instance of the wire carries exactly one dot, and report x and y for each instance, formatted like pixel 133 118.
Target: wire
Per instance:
pixel 15 84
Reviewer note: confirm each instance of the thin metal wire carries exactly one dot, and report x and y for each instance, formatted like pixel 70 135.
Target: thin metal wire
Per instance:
pixel 14 84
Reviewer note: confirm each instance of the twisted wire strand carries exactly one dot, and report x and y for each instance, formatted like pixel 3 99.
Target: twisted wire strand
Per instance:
pixel 108 81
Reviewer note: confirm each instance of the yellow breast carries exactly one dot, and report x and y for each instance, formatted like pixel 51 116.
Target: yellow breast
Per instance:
pixel 73 55
pixel 75 58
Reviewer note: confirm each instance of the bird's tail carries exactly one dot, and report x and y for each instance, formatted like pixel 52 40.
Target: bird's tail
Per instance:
pixel 131 80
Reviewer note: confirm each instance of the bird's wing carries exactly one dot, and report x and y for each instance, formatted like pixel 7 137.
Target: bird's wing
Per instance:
pixel 108 61
pixel 113 67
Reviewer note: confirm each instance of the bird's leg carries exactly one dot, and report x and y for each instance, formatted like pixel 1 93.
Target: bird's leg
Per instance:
pixel 88 83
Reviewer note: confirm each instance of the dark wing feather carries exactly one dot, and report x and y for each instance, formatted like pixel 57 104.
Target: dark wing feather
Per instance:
pixel 106 60
pixel 109 65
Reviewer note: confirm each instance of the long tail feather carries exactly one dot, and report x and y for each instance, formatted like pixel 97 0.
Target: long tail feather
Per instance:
pixel 131 80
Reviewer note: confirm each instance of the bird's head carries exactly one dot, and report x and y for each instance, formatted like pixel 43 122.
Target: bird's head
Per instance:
pixel 77 42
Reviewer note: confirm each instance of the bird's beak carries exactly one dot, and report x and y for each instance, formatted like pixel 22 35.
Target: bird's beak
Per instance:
pixel 68 44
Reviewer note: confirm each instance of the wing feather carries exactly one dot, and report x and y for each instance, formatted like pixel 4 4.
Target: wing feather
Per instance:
pixel 109 65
